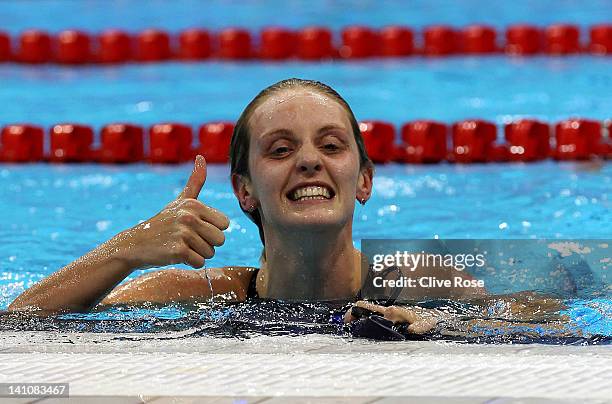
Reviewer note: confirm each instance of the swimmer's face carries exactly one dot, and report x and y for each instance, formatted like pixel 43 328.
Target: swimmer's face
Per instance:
pixel 304 161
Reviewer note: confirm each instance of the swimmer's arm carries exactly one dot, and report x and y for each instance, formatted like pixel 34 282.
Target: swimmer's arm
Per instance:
pixel 185 231
pixel 421 320
pixel 525 305
pixel 181 285
pixel 80 285
pixel 455 290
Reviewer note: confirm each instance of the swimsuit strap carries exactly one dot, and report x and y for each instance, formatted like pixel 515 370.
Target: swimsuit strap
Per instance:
pixel 252 290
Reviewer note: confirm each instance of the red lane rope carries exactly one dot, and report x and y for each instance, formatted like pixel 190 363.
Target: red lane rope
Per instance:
pixel 422 141
pixel 75 47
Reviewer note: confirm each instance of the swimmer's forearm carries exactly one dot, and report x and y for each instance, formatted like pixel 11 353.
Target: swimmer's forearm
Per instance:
pixel 80 285
pixel 526 305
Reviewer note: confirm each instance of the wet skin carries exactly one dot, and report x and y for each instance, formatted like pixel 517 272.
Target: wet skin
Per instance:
pixel 309 241
pixel 299 138
pixel 309 251
pixel 288 148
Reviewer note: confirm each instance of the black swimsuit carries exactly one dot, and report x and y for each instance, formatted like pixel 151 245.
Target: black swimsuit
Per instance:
pixel 369 324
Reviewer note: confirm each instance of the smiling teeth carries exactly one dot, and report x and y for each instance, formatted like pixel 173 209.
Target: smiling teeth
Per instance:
pixel 311 193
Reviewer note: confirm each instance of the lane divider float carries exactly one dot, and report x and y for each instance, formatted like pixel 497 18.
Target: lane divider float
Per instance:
pixel 75 47
pixel 419 142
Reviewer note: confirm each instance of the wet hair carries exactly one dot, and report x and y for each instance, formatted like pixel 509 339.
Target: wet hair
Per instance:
pixel 239 147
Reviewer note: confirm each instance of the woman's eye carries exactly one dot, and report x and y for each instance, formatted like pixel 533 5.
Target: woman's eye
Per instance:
pixel 280 150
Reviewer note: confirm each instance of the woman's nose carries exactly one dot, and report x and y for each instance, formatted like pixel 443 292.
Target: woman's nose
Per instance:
pixel 308 160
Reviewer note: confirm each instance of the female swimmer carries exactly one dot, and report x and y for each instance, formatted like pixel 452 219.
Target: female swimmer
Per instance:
pixel 298 164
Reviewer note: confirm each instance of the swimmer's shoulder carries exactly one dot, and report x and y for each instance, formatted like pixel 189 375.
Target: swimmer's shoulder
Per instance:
pixel 184 285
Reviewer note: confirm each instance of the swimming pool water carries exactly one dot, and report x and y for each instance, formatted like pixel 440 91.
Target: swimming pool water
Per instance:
pixel 97 15
pixel 53 214
pixel 497 88
pixel 58 213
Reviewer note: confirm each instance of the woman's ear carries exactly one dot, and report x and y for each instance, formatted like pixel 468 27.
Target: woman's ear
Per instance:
pixel 365 183
pixel 243 191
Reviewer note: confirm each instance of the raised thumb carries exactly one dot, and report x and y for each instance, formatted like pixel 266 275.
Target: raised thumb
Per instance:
pixel 196 179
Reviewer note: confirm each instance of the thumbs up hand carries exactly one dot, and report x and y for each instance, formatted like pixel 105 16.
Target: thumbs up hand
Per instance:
pixel 196 180
pixel 185 231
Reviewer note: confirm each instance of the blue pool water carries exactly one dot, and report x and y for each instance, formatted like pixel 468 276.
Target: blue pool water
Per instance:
pixel 54 214
pixel 495 88
pixel 96 15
